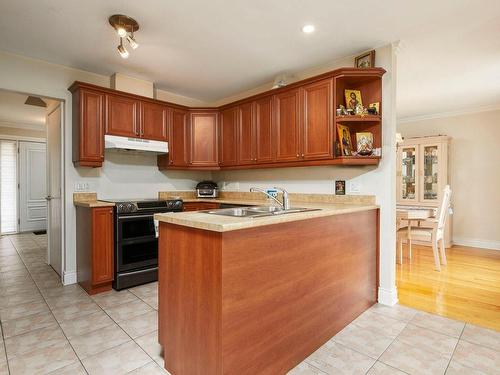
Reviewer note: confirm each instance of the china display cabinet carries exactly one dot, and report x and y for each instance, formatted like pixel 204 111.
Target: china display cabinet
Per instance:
pixel 423 173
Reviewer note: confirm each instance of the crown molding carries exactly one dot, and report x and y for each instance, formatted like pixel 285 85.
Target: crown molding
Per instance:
pixel 486 108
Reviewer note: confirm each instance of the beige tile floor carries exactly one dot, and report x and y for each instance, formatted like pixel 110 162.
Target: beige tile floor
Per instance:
pixel 47 328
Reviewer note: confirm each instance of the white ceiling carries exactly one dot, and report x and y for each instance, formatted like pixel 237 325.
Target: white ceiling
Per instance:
pixel 14 112
pixel 210 50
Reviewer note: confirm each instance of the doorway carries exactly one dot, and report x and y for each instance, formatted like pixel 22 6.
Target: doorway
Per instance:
pixel 31 170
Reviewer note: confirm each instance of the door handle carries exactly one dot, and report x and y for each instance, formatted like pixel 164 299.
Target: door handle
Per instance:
pixel 49 197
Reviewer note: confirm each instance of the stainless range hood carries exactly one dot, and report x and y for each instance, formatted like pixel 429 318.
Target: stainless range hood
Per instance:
pixel 135 144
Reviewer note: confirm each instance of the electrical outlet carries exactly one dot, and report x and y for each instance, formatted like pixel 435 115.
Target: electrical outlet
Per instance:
pixel 354 187
pixel 272 192
pixel 82 186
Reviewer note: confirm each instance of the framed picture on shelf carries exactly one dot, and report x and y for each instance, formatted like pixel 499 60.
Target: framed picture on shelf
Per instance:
pixel 366 60
pixel 339 187
pixel 364 142
pixel 344 140
pixel 376 107
pixel 352 98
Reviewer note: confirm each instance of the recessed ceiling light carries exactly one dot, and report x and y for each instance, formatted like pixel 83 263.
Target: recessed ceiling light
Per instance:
pixel 308 29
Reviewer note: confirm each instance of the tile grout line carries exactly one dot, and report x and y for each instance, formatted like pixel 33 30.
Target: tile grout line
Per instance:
pixel 50 310
pixel 132 339
pixel 4 347
pixel 392 342
pixel 455 348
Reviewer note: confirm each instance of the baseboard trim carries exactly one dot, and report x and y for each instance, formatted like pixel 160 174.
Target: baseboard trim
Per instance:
pixel 69 277
pixel 475 242
pixel 387 297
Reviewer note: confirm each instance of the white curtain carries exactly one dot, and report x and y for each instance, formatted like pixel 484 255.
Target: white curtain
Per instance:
pixel 8 186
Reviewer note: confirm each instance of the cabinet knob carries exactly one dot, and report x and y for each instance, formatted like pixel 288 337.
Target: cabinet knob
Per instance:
pixel 298 155
pixel 302 155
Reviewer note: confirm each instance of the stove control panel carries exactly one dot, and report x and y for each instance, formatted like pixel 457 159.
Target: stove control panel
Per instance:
pixel 126 208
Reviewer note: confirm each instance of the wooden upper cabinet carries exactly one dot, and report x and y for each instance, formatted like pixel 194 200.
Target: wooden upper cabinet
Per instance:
pixel 264 138
pixel 178 135
pixel 88 128
pixel 203 136
pixel 246 134
pixel 228 137
pixel 103 245
pixel 122 116
pixel 153 121
pixel 287 125
pixel 317 129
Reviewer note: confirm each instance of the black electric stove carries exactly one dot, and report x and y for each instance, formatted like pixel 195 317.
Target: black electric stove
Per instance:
pixel 136 239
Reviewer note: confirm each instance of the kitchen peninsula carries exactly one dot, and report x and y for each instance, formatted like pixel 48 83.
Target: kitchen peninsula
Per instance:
pixel 241 295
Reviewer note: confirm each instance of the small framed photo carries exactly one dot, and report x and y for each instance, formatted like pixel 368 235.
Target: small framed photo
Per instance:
pixel 364 142
pixel 352 98
pixel 339 187
pixel 344 140
pixel 366 60
pixel 376 107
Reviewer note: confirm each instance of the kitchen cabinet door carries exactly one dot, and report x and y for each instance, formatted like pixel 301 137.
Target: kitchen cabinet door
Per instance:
pixel 102 249
pixel 178 136
pixel 317 129
pixel 287 125
pixel 88 128
pixel 203 134
pixel 200 206
pixel 264 137
pixel 246 134
pixel 228 133
pixel 153 121
pixel 122 116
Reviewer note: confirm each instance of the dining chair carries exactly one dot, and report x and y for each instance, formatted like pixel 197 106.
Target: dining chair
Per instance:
pixel 435 234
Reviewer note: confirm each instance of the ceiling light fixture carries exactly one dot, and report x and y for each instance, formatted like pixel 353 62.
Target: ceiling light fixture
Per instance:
pixel 131 40
pixel 125 27
pixel 122 50
pixel 308 29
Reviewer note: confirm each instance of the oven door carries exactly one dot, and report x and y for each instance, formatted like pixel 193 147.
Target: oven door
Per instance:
pixel 136 242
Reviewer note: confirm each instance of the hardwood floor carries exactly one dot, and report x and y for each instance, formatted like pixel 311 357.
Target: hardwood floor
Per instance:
pixel 468 288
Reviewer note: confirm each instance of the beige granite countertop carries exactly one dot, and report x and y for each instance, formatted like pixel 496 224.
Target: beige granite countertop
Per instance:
pixel 89 200
pixel 216 223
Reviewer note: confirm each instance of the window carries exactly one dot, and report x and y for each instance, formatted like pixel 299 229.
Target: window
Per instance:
pixel 8 186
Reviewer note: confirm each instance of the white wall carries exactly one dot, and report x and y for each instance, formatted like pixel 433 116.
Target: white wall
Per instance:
pixel 22 74
pixel 18 132
pixel 128 175
pixel 474 173
pixel 379 181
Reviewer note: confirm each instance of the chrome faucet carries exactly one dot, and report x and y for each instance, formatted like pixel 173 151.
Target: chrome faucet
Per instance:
pixel 285 204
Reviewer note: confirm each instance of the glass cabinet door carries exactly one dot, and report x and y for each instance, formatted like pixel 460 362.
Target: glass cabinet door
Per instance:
pixel 430 173
pixel 408 173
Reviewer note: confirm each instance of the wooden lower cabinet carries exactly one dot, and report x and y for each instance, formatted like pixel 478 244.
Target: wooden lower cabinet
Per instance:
pixel 200 206
pixel 235 303
pixel 95 248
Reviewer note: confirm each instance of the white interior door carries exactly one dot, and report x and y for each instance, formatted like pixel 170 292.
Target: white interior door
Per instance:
pixel 54 230
pixel 32 186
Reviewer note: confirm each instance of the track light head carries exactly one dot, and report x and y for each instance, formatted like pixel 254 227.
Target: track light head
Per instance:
pixel 131 40
pixel 122 50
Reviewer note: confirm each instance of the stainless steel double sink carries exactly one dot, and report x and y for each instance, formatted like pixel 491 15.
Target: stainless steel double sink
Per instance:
pixel 258 211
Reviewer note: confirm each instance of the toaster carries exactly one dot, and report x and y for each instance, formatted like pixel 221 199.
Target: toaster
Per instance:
pixel 207 189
